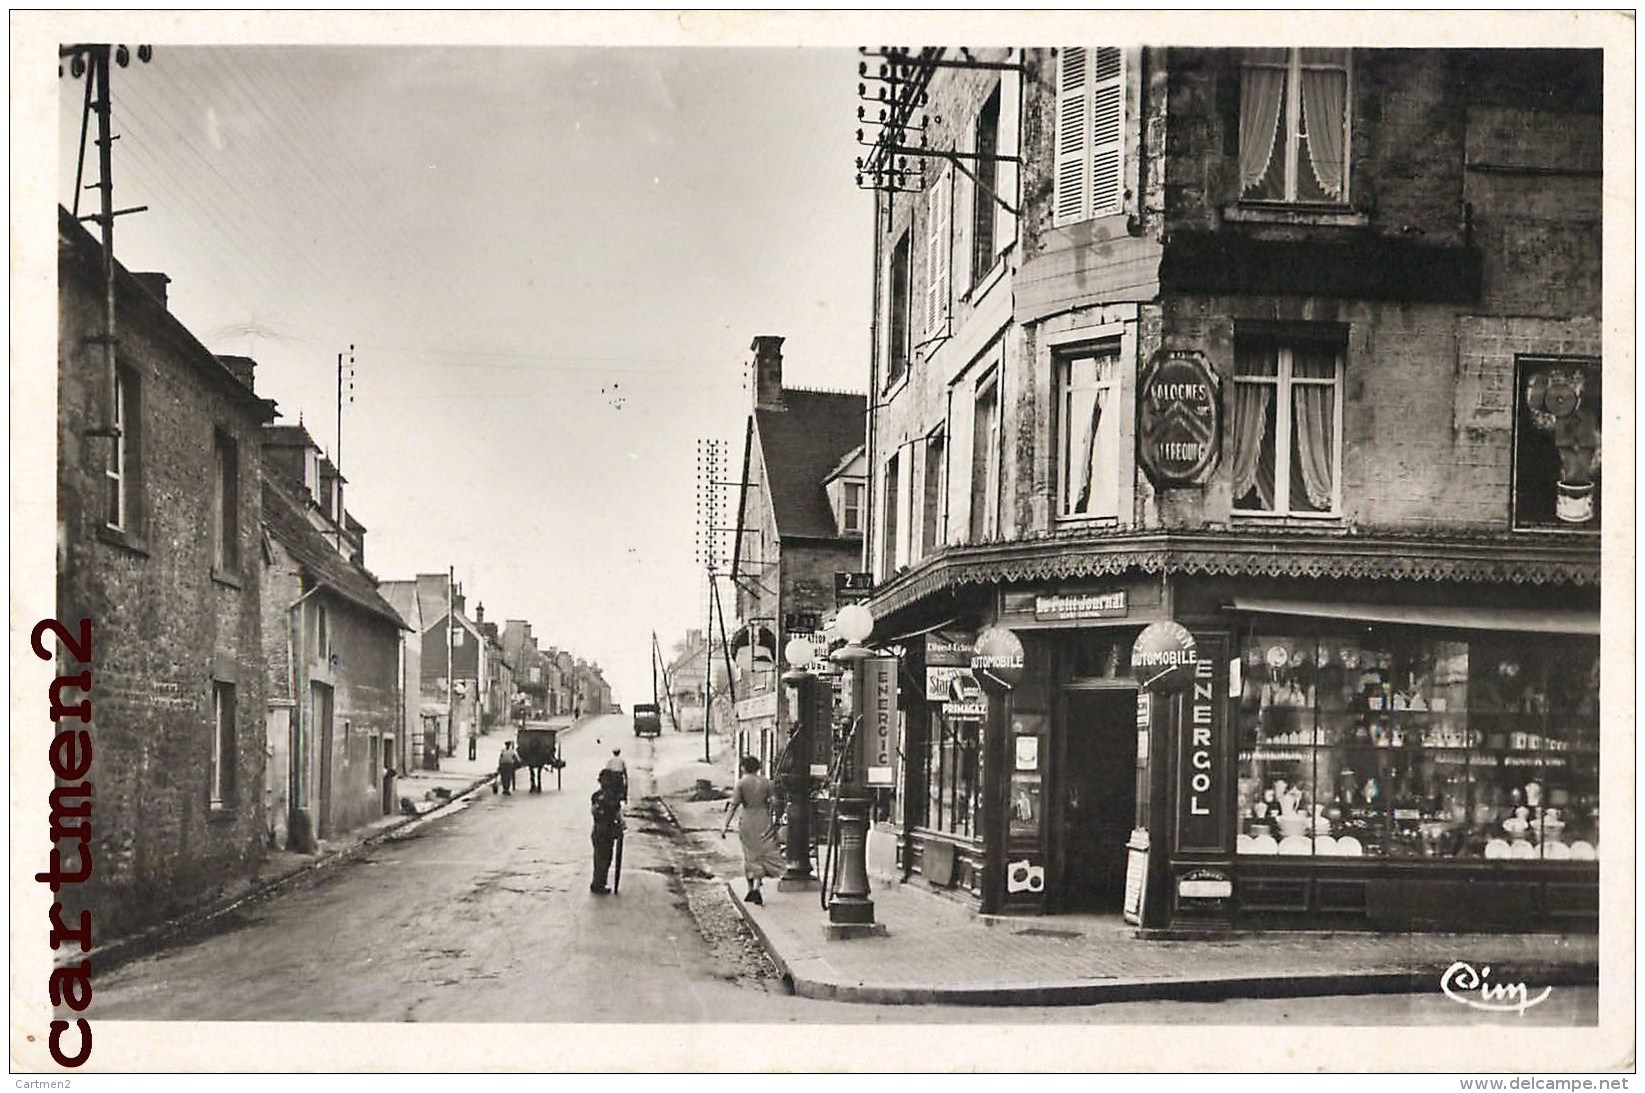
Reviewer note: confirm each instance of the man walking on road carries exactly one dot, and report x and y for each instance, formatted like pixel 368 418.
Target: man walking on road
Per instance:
pixel 507 763
pixel 616 766
pixel 606 806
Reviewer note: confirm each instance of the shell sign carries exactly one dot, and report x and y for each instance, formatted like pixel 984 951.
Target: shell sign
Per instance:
pixel 1179 419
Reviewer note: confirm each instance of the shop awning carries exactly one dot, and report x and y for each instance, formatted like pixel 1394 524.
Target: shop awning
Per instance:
pixel 1509 619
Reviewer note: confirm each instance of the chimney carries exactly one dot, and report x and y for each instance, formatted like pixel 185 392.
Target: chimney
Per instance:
pixel 244 368
pixel 155 285
pixel 479 614
pixel 768 372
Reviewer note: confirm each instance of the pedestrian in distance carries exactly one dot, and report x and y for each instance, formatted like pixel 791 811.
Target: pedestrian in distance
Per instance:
pixel 507 763
pixel 606 808
pixel 756 799
pixel 616 766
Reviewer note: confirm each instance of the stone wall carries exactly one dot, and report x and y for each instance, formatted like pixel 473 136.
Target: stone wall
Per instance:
pixel 166 626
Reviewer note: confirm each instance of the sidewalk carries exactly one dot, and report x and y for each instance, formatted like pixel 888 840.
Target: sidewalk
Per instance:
pixel 939 950
pixel 431 793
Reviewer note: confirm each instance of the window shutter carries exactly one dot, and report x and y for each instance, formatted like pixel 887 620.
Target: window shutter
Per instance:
pixel 1107 132
pixel 939 207
pixel 1073 149
pixel 1009 142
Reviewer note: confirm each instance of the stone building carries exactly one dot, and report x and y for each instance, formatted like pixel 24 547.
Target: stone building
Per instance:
pixel 157 544
pixel 336 722
pixel 799 526
pixel 1298 350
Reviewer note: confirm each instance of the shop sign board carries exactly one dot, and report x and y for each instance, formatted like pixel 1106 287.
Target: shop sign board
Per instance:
pixel 877 705
pixel 852 588
pixel 1136 875
pixel 1210 886
pixel 949 649
pixel 1164 657
pixel 1179 418
pixel 966 711
pixel 1199 819
pixel 817 721
pixel 998 662
pixel 757 706
pixel 1058 606
pixel 945 684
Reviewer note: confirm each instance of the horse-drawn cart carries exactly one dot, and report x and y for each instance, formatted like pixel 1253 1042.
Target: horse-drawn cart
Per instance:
pixel 539 747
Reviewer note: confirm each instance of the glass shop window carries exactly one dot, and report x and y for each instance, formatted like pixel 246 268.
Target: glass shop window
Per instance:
pixel 951 767
pixel 1401 743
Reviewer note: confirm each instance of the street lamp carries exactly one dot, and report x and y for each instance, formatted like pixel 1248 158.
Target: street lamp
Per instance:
pixel 851 908
pixel 796 777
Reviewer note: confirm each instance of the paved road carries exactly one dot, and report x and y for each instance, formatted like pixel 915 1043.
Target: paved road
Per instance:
pixel 485 915
pixel 480 916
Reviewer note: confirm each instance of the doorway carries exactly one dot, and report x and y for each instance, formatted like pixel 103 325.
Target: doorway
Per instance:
pixel 1098 797
pixel 323 729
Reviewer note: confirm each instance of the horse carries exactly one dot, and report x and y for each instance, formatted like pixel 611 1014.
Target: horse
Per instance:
pixel 538 749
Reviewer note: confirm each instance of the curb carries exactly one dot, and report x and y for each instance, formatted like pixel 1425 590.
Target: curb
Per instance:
pixel 124 950
pixel 760 935
pixel 1129 989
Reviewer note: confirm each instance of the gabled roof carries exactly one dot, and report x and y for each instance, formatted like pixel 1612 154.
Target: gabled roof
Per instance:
pixel 845 461
pixel 286 521
pixel 801 446
pixel 402 596
pixel 79 252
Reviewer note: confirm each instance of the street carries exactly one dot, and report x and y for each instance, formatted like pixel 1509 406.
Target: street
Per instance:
pixel 483 914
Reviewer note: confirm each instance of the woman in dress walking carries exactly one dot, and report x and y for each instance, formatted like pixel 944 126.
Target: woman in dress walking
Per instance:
pixel 761 856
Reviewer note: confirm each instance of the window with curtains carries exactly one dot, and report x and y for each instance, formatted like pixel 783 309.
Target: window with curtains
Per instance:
pixel 1294 125
pixel 1286 434
pixel 1088 443
pixel 897 326
pixel 985 461
pixel 1089 158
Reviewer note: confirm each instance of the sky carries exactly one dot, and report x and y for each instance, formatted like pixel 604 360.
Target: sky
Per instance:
pixel 546 264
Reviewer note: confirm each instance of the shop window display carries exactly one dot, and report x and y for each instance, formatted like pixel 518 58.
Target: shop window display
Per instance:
pixel 950 766
pixel 1404 744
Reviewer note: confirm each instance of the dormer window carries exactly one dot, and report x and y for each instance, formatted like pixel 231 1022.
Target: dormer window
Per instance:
pixel 851 509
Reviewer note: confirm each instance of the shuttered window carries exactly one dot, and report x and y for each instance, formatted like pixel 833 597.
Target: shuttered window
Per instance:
pixel 1090 141
pixel 939 234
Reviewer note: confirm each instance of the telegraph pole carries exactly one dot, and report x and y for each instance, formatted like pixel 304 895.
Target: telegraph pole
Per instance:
pixel 340 375
pixel 451 668
pixel 92 62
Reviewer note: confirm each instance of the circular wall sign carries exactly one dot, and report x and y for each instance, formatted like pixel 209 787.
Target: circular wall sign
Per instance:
pixel 998 660
pixel 1179 418
pixel 1164 656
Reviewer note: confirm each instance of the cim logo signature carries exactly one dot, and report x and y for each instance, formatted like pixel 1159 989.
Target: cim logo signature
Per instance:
pixel 1462 979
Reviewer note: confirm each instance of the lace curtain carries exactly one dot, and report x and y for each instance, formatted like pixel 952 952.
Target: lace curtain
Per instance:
pixel 1251 402
pixel 1323 100
pixel 1261 91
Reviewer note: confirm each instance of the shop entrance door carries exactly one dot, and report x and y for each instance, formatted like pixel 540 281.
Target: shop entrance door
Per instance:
pixel 1098 797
